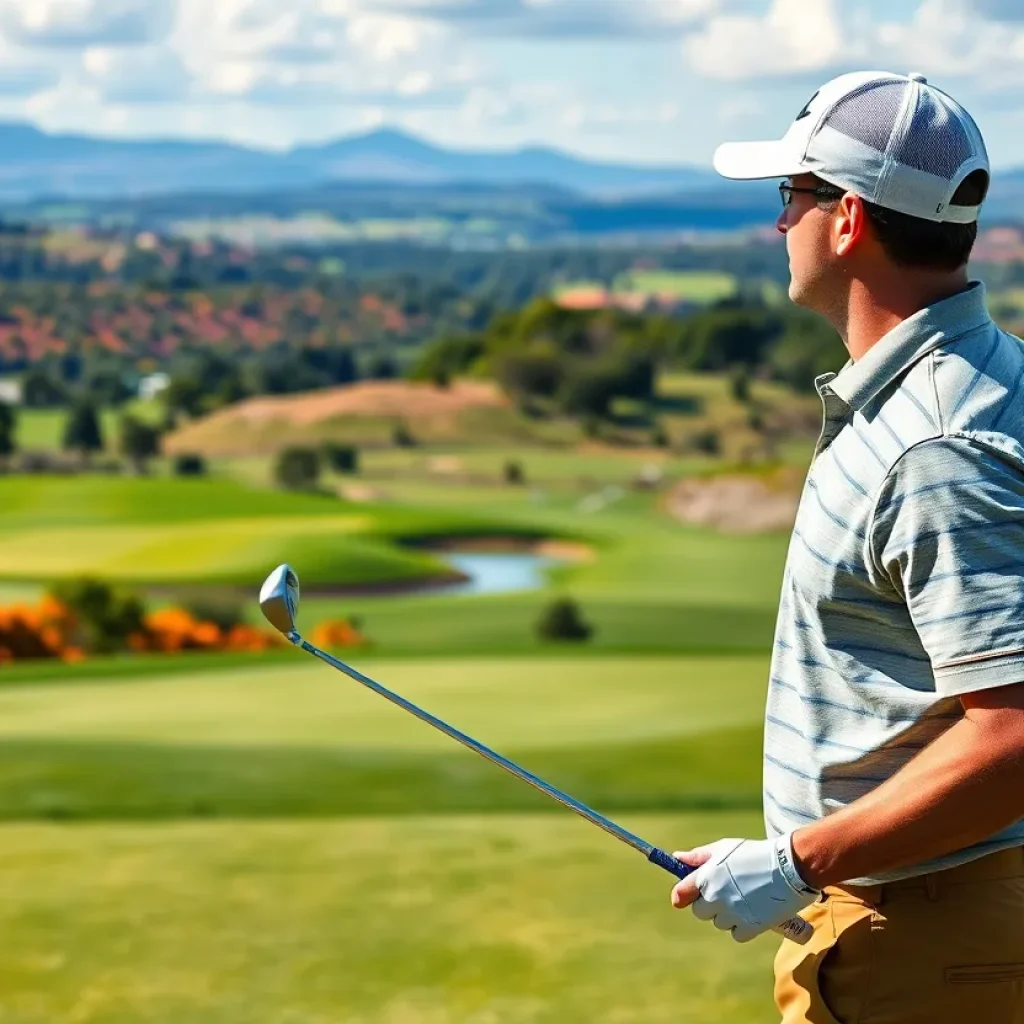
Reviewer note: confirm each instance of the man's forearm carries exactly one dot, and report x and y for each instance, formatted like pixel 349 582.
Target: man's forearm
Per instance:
pixel 962 788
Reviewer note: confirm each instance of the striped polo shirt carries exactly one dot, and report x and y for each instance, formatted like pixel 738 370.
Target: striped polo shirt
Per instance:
pixel 904 582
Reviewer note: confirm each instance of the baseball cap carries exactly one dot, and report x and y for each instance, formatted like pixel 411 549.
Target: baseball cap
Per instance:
pixel 894 140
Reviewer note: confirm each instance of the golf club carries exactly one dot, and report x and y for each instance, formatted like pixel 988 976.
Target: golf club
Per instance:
pixel 279 602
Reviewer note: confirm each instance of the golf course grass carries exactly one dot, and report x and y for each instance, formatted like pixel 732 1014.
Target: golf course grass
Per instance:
pixel 241 838
pixel 295 740
pixel 518 919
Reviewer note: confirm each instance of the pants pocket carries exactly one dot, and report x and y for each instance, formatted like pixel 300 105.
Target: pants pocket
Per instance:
pixel 824 982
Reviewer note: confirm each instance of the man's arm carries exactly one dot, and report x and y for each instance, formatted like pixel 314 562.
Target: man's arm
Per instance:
pixel 965 786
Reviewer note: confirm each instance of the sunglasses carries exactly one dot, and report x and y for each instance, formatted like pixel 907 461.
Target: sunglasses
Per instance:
pixel 821 192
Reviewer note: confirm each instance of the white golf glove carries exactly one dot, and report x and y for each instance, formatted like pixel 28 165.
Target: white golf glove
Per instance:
pixel 747 886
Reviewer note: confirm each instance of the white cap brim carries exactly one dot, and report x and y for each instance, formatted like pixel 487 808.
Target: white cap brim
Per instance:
pixel 752 161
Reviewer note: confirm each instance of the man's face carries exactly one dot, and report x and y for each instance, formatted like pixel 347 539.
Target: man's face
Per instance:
pixel 806 223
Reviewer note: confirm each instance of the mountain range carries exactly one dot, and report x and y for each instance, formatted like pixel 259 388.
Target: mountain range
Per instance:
pixel 35 164
pixel 389 174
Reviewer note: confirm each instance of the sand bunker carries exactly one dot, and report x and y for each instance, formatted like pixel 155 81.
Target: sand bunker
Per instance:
pixel 739 504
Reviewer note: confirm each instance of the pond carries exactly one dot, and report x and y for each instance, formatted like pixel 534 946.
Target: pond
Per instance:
pixel 496 573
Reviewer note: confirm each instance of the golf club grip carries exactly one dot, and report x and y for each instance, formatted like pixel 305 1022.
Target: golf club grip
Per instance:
pixel 796 928
pixel 670 864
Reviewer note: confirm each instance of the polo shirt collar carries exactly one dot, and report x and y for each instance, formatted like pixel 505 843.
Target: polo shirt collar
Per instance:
pixel 859 381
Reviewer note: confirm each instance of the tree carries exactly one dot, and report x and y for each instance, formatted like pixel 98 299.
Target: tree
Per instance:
pixel 108 387
pixel 382 367
pixel 40 389
pixel 297 468
pixel 106 616
pixel 342 458
pixel 562 620
pixel 185 393
pixel 82 429
pixel 8 427
pixel 539 372
pixel 739 384
pixel 189 464
pixel 139 441
pixel 401 435
pixel 588 392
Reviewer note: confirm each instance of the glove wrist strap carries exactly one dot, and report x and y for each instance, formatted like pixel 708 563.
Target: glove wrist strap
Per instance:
pixel 787 866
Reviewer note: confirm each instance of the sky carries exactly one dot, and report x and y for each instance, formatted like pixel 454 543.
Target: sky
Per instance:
pixel 638 81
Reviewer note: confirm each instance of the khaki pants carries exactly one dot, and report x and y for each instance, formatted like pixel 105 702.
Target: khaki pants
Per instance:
pixel 945 948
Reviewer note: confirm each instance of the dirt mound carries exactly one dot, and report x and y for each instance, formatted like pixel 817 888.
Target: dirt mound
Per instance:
pixel 385 399
pixel 740 503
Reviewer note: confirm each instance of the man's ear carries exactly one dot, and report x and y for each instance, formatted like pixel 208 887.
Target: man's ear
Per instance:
pixel 849 224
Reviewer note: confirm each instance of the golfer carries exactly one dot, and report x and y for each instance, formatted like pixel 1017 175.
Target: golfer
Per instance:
pixel 894 733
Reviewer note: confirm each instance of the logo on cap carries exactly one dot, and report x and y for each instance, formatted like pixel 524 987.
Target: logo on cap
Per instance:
pixel 806 112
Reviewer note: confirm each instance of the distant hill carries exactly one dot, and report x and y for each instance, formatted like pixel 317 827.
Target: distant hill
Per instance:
pixel 36 164
pixel 533 192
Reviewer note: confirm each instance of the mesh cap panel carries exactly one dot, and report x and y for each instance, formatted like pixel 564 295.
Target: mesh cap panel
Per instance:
pixel 869 114
pixel 936 143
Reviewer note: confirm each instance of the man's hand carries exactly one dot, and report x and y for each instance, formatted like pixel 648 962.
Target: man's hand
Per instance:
pixel 745 886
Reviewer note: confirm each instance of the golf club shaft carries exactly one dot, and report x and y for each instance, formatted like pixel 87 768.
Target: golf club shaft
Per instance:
pixel 680 870
pixel 795 928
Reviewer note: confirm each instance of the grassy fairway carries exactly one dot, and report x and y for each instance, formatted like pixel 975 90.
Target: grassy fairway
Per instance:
pixel 394 877
pixel 210 531
pixel 517 920
pixel 657 733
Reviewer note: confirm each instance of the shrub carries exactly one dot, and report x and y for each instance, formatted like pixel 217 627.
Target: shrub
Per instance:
pixel 739 384
pixel 514 474
pixel 105 616
pixel 297 469
pixel 189 464
pixel 337 633
pixel 706 442
pixel 342 458
pixel 175 629
pixel 401 436
pixel 223 610
pixel 82 431
pixel 561 620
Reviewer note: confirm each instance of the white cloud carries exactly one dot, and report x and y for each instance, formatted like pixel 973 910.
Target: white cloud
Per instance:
pixel 71 23
pixel 387 37
pixel 149 74
pixel 803 37
pixel 946 37
pixel 792 37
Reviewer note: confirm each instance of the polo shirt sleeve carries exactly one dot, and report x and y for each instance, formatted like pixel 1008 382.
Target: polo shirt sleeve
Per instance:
pixel 948 534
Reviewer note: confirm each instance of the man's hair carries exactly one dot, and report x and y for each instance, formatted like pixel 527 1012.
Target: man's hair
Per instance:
pixel 923 244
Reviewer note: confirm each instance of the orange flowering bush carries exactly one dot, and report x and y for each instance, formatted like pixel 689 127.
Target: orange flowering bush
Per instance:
pixel 53 628
pixel 174 629
pixel 44 630
pixel 337 633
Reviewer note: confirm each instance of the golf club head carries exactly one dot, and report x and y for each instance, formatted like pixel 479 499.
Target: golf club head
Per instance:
pixel 279 598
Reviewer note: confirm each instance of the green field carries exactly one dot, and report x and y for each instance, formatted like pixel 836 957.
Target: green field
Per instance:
pixel 42 429
pixel 513 918
pixel 365 868
pixel 689 285
pixel 298 739
pixel 239 838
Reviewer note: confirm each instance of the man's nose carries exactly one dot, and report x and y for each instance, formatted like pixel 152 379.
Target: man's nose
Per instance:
pixel 781 223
